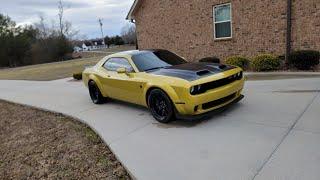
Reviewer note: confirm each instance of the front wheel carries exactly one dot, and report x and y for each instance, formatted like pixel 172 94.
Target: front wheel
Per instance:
pixel 95 93
pixel 160 106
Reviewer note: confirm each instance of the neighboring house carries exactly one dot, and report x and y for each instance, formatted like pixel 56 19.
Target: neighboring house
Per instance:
pixel 77 49
pixel 93 45
pixel 85 47
pixel 201 28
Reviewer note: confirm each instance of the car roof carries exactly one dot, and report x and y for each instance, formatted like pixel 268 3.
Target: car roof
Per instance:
pixel 135 52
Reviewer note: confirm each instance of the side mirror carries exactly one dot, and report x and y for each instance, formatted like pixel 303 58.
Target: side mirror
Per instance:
pixel 121 70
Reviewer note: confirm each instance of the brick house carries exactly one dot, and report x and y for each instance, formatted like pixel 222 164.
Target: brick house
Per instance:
pixel 202 28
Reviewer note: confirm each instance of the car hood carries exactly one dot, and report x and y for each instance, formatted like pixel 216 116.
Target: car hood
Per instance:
pixel 192 71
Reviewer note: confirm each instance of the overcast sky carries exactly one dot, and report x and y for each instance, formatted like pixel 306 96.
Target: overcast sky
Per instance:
pixel 83 14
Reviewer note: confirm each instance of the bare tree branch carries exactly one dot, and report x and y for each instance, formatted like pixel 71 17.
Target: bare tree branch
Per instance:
pixel 60 14
pixel 128 34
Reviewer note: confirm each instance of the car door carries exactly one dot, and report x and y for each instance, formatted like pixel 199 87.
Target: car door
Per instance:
pixel 122 86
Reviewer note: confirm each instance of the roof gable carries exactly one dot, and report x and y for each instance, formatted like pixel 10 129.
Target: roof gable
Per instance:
pixel 133 8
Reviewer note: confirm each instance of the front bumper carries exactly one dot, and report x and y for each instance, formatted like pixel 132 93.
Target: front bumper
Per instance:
pixel 209 101
pixel 209 113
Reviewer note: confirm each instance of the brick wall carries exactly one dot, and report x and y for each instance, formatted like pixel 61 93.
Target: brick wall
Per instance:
pixel 306 24
pixel 186 27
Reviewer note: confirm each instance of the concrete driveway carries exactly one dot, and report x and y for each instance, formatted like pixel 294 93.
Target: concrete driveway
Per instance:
pixel 274 133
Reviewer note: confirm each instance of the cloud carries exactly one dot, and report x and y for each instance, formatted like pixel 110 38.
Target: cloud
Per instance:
pixel 50 4
pixel 83 14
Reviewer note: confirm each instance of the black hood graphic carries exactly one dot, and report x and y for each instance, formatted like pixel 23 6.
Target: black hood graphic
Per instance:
pixel 192 71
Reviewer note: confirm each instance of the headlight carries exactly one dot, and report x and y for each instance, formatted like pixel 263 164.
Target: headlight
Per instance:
pixel 195 89
pixel 240 75
pixel 192 90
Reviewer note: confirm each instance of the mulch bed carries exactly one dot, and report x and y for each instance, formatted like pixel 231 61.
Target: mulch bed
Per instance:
pixel 35 144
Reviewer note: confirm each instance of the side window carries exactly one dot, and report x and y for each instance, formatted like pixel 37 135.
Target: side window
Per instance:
pixel 113 64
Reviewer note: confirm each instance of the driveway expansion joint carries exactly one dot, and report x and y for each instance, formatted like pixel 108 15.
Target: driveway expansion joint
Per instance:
pixel 285 136
pixel 129 133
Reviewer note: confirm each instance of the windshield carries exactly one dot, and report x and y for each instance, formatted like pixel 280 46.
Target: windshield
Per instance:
pixel 147 61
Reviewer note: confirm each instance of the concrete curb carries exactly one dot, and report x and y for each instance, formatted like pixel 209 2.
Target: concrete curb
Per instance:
pixel 280 75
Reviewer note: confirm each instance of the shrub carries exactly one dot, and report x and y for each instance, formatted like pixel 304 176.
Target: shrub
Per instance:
pixel 238 61
pixel 305 59
pixel 265 62
pixel 77 76
pixel 210 60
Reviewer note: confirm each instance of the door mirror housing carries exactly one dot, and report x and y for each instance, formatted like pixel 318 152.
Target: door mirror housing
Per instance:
pixel 121 70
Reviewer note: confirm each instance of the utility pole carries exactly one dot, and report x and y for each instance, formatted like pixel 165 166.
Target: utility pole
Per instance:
pixel 101 24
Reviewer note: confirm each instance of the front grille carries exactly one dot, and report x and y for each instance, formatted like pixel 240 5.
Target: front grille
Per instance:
pixel 218 102
pixel 221 82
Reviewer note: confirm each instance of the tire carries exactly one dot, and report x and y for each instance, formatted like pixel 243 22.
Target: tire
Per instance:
pixel 95 93
pixel 160 106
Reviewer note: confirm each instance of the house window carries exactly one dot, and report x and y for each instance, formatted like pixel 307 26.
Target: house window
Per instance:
pixel 222 21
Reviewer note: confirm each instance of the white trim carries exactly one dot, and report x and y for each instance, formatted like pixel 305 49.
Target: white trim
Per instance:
pixel 133 7
pixel 214 21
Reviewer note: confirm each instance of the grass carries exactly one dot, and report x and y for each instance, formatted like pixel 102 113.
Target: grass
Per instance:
pixel 91 135
pixel 119 48
pixel 49 71
pixel 57 70
pixel 36 144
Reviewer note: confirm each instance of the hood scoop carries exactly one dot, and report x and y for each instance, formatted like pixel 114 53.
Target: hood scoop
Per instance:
pixel 192 71
pixel 222 66
pixel 203 72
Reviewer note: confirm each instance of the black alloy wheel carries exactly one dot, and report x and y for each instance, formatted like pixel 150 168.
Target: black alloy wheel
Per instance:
pixel 95 93
pixel 160 106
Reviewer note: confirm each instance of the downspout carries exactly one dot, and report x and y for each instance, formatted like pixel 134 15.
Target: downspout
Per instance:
pixel 289 32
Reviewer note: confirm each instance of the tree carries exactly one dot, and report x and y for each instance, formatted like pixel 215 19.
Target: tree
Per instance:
pixel 68 31
pixel 43 29
pixel 5 36
pixel 128 34
pixel 15 43
pixel 60 15
pixel 65 27
pixel 107 41
pixel 118 40
pixel 35 44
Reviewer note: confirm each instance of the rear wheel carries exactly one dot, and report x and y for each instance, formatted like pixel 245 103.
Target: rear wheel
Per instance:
pixel 160 106
pixel 95 93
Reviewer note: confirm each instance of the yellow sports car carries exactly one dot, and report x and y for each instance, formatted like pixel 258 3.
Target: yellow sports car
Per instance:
pixel 165 83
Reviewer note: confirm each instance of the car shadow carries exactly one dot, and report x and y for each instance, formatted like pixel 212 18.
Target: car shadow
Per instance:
pixel 127 105
pixel 178 123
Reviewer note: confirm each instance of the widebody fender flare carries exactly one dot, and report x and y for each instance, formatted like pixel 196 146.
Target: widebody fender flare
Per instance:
pixel 166 88
pixel 93 77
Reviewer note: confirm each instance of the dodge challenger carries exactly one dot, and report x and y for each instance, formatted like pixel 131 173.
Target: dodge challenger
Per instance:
pixel 165 83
